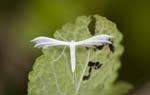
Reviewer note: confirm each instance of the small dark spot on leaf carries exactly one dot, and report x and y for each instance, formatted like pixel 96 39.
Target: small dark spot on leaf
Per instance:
pixel 87 48
pixel 111 47
pixel 90 69
pixel 98 66
pixel 99 47
pixel 86 77
pixel 90 64
pixel 96 63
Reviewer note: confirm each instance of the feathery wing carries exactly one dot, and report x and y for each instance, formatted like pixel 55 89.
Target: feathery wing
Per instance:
pixel 96 40
pixel 44 42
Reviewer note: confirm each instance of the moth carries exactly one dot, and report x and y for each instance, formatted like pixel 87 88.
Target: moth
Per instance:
pixel 97 40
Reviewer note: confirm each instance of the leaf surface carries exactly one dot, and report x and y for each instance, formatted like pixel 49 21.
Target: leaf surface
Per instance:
pixel 51 74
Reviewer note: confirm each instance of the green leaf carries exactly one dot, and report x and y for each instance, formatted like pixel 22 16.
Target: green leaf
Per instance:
pixel 51 74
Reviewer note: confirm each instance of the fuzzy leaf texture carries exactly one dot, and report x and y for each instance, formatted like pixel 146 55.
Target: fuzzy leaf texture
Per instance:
pixel 51 74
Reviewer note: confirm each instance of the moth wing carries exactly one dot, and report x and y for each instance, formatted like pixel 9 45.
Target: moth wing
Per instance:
pixel 44 42
pixel 96 40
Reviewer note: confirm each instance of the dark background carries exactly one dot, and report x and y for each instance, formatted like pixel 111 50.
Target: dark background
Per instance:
pixel 22 20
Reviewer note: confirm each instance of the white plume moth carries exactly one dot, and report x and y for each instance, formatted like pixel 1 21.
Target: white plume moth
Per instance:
pixel 97 40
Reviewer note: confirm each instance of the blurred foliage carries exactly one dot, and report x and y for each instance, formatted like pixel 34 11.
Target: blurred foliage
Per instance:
pixel 133 19
pixel 22 20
